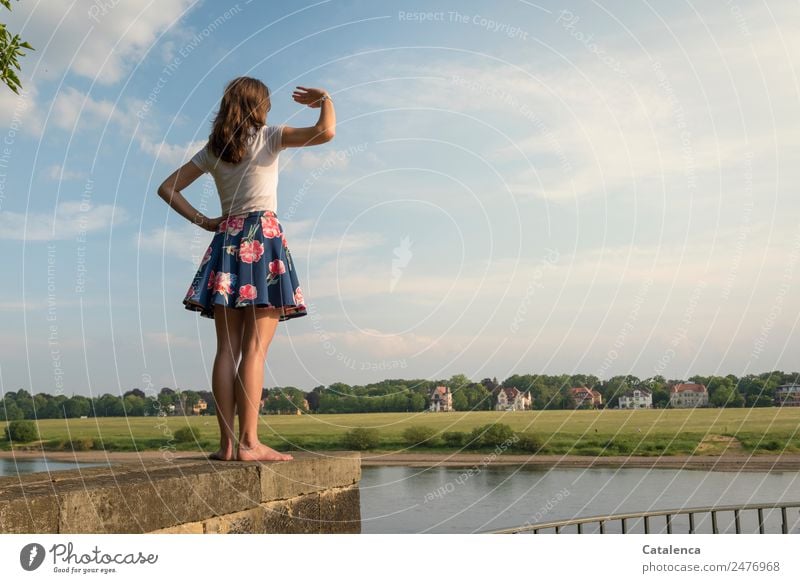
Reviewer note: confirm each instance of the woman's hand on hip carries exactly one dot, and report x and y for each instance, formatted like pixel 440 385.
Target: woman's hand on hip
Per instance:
pixel 211 224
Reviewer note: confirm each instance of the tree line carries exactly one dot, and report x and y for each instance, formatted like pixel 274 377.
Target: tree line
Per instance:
pixel 395 395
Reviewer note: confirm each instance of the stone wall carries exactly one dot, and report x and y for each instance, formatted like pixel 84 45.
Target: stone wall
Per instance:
pixel 314 493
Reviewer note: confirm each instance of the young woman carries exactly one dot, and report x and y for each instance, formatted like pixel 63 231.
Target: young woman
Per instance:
pixel 246 281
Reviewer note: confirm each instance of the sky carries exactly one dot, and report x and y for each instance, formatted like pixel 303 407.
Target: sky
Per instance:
pixel 514 188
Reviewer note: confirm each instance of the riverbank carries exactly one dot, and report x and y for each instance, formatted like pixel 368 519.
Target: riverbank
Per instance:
pixel 727 462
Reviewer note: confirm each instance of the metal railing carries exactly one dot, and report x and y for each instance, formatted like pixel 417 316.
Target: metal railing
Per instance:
pixel 669 516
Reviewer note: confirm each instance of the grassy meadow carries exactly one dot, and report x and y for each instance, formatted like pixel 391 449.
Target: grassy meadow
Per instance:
pixel 582 432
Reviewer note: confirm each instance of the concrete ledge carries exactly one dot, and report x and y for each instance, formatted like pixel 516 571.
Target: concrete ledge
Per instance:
pixel 315 492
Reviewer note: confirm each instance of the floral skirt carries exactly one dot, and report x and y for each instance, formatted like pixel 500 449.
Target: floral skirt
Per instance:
pixel 247 264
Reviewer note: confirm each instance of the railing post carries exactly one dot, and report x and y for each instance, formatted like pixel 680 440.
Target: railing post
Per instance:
pixel 624 518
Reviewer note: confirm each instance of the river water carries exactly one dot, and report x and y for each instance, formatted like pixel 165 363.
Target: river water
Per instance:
pixel 398 499
pixel 12 467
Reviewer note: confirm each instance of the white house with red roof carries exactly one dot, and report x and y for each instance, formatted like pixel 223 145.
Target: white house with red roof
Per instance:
pixel 512 399
pixel 441 399
pixel 585 396
pixel 683 395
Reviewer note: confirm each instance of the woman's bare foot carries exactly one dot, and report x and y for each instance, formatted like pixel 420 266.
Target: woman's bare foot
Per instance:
pixel 224 454
pixel 262 453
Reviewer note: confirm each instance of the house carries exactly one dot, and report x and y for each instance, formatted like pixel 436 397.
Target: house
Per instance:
pixel 640 398
pixel 584 396
pixel 787 396
pixel 441 399
pixel 512 399
pixel 684 395
pixel 200 407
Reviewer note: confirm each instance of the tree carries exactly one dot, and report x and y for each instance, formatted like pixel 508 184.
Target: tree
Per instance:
pixel 22 431
pixel 417 402
pixel 10 49
pixel 77 406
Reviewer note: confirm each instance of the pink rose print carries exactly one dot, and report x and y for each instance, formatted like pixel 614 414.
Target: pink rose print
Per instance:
pixel 247 292
pixel 283 240
pixel 298 296
pixel 223 283
pixel 190 293
pixel 270 226
pixel 233 225
pixel 211 280
pixel 206 257
pixel 277 267
pixel 250 251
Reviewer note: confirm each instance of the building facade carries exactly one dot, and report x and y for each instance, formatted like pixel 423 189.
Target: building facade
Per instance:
pixel 585 397
pixel 787 396
pixel 640 398
pixel 512 399
pixel 684 395
pixel 441 399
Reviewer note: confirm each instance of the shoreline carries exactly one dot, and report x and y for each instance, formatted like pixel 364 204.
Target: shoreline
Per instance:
pixel 723 462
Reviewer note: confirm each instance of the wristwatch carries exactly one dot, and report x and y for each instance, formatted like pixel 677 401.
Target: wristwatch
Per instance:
pixel 324 98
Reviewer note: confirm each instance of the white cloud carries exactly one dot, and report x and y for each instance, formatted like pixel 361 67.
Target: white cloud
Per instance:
pixel 20 113
pixel 97 40
pixel 184 241
pixel 171 154
pixel 58 172
pixel 71 219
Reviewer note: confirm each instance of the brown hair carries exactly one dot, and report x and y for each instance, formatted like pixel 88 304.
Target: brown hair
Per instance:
pixel 243 109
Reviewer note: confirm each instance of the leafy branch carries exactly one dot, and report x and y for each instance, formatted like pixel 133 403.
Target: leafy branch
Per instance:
pixel 10 49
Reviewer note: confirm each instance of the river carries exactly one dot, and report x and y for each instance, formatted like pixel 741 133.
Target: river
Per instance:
pixel 12 467
pixel 400 499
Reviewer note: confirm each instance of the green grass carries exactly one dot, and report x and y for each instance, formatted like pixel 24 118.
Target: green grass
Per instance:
pixel 645 432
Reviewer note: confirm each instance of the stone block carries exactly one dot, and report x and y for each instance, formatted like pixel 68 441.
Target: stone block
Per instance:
pixel 146 501
pixel 309 472
pixel 340 510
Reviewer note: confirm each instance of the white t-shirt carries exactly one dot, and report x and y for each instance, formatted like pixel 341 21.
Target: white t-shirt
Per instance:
pixel 252 184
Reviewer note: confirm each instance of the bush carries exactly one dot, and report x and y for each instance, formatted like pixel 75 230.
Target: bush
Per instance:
pixel 81 444
pixel 454 438
pixel 492 435
pixel 362 438
pixel 420 435
pixel 22 430
pixel 184 435
pixel 528 442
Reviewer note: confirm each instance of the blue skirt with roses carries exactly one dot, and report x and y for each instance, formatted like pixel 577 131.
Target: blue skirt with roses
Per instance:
pixel 247 264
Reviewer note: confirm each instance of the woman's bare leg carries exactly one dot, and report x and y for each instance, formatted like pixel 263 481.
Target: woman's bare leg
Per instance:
pixel 259 329
pixel 228 323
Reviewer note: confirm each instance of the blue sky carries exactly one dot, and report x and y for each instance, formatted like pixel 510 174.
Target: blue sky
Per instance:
pixel 513 188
